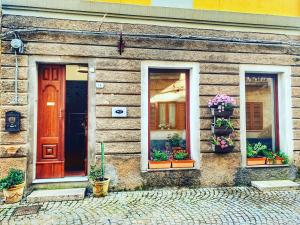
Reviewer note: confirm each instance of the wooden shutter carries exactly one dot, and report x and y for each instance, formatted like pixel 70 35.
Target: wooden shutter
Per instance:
pixel 180 115
pixel 254 115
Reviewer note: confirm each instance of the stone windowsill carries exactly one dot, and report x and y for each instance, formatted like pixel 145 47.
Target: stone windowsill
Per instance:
pixel 268 166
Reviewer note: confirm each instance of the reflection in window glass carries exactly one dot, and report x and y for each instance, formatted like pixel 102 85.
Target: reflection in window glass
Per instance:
pixel 261 94
pixel 167 108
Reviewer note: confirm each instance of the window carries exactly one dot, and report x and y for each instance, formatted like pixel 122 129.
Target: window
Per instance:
pixel 262 109
pixel 168 98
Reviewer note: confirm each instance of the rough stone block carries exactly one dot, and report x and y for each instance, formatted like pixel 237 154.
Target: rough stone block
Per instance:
pixel 7 163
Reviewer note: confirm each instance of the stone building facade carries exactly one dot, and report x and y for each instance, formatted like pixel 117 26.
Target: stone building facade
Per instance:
pixel 217 52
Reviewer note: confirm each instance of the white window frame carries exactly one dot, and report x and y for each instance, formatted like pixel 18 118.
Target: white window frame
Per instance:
pixel 284 106
pixel 194 69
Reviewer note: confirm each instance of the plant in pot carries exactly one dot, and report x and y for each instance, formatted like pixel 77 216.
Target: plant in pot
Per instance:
pixel 270 155
pixel 97 178
pixel 222 126
pixel 175 141
pixel 13 185
pixel 221 144
pixel 281 158
pixel 160 160
pixel 255 154
pixel 222 105
pixel 182 160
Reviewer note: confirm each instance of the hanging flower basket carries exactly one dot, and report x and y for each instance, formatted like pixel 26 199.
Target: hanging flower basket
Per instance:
pixel 222 105
pixel 223 130
pixel 219 150
pixel 220 113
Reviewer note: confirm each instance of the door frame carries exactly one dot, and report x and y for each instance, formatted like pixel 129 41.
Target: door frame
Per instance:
pixel 33 110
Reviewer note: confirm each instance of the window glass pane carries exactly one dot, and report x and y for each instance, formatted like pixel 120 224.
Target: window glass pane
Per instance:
pixel 260 110
pixel 167 89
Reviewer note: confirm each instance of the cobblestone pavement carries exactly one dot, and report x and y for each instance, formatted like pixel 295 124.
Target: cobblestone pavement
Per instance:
pixel 238 205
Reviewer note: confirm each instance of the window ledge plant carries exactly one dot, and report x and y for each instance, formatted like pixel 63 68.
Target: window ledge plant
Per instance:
pixel 13 185
pixel 160 160
pixel 255 154
pixel 182 160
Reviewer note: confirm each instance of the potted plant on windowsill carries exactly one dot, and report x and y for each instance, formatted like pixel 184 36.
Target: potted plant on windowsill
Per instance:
pixel 13 185
pixel 175 141
pixel 270 157
pixel 97 178
pixel 222 105
pixel 160 160
pixel 222 126
pixel 222 144
pixel 281 158
pixel 181 160
pixel 255 155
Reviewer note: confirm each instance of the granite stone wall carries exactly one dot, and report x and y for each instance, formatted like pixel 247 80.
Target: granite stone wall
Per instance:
pixel 219 54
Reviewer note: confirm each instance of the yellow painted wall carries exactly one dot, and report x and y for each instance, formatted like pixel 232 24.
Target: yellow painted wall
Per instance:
pixel 268 7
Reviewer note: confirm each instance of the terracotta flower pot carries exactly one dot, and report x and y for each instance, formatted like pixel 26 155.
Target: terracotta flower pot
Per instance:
pixel 100 188
pixel 223 130
pixel 186 163
pixel 219 150
pixel 278 160
pixel 159 164
pixel 256 161
pixel 270 161
pixel 225 113
pixel 14 194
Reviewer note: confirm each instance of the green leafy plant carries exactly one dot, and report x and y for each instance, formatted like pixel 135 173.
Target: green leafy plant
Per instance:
pixel 181 155
pixel 159 155
pixel 14 177
pixel 284 157
pixel 175 140
pixel 220 122
pixel 269 154
pixel 95 174
pixel 256 150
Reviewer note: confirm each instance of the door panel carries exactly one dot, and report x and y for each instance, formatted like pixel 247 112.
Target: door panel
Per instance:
pixel 51 108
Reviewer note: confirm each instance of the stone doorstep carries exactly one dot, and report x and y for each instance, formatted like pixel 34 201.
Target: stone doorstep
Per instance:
pixel 275 185
pixel 56 195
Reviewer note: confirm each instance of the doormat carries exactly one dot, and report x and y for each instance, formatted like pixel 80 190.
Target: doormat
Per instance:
pixel 26 210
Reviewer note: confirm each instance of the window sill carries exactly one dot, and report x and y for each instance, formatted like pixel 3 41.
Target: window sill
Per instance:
pixel 267 166
pixel 169 169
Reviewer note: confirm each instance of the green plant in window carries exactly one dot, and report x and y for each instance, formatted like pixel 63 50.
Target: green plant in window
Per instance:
pixel 159 155
pixel 256 150
pixel 175 140
pixel 269 154
pixel 284 157
pixel 181 155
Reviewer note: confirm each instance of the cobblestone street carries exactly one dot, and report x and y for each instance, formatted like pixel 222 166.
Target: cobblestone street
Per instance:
pixel 239 205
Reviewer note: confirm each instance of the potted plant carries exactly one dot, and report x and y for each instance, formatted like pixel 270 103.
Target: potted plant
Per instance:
pixel 270 157
pixel 254 154
pixel 222 126
pixel 222 144
pixel 281 158
pixel 222 105
pixel 181 160
pixel 13 185
pixel 160 160
pixel 97 178
pixel 175 141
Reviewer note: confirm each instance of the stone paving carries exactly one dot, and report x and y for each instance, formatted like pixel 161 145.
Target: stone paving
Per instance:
pixel 237 205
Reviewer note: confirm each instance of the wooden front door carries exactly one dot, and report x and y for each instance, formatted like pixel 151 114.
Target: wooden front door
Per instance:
pixel 51 120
